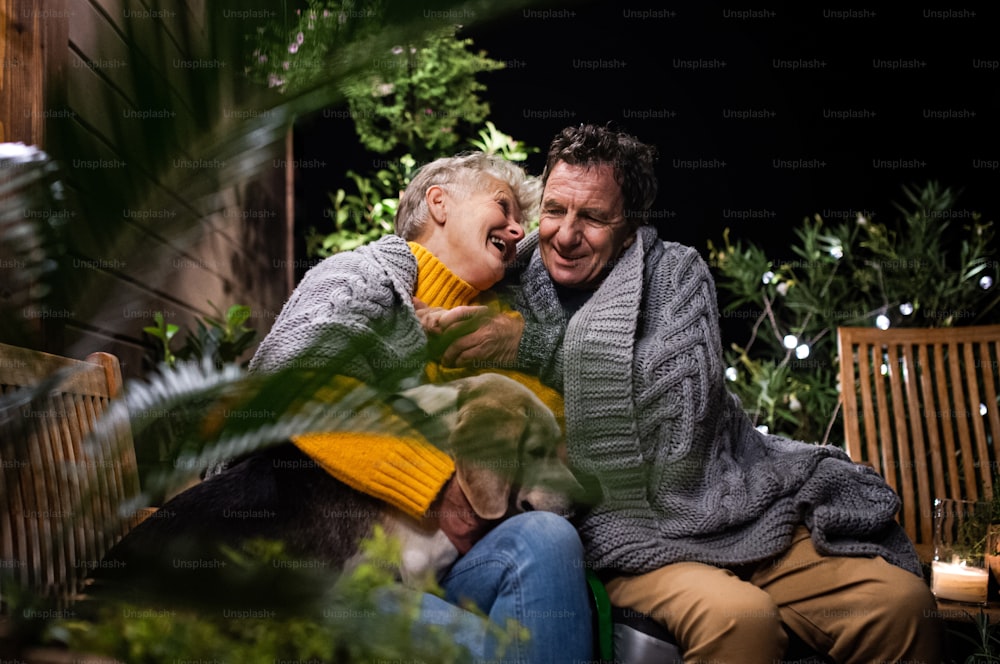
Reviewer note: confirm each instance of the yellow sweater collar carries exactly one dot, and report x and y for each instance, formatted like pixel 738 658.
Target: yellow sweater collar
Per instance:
pixel 437 286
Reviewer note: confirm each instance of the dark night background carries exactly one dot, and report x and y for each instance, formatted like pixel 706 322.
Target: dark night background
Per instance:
pixel 790 112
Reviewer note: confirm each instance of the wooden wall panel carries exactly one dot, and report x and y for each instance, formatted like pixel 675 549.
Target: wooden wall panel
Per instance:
pixel 139 92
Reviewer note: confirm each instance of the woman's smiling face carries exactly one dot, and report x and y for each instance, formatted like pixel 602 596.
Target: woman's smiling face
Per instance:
pixel 481 231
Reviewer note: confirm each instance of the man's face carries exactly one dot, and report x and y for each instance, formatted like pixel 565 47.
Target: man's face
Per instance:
pixel 582 228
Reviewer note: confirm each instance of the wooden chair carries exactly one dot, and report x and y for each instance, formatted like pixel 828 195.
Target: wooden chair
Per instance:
pixel 61 489
pixel 920 405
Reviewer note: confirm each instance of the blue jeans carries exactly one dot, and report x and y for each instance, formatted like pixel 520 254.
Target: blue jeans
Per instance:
pixel 528 569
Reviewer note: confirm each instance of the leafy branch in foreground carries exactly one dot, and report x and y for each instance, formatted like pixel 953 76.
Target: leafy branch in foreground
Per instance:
pixel 313 613
pixel 264 606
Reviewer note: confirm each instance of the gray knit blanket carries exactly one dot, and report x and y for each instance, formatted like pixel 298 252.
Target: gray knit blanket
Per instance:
pixel 354 309
pixel 681 474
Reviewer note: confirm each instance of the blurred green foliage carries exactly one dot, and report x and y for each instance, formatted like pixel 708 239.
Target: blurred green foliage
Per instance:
pixel 418 99
pixel 225 122
pixel 223 338
pixel 312 613
pixel 422 97
pixel 932 267
pixel 359 218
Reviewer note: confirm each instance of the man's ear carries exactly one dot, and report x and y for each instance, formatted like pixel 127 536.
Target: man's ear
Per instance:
pixel 629 240
pixel 437 207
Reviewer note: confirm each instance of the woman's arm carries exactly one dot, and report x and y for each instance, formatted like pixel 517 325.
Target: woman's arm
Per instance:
pixel 345 311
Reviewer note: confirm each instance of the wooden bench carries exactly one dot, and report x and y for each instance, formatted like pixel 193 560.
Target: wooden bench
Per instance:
pixel 920 406
pixel 62 489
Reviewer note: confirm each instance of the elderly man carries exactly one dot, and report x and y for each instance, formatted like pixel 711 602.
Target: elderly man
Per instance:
pixel 726 535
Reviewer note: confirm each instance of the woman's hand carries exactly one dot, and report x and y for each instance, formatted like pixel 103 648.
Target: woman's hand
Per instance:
pixel 477 336
pixel 428 315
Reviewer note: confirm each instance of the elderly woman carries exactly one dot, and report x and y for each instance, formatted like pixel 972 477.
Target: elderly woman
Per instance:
pixel 728 536
pixel 457 225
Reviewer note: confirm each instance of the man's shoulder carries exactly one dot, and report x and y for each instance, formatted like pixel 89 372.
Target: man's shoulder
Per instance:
pixel 658 249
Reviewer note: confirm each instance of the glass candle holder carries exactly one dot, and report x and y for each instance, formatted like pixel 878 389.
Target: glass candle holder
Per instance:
pixel 958 571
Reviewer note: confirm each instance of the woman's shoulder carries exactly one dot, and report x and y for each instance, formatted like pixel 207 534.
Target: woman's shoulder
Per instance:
pixel 388 252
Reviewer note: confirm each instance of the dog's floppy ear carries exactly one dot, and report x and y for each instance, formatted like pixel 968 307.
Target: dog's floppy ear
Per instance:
pixel 484 442
pixel 434 400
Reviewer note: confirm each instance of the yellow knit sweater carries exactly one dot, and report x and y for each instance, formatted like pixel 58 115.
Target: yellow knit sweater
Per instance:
pixel 408 471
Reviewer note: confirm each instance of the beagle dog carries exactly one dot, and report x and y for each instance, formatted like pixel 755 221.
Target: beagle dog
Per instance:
pixel 506 447
pixel 505 444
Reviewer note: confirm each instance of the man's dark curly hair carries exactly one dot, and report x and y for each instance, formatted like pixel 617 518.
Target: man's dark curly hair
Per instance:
pixel 632 161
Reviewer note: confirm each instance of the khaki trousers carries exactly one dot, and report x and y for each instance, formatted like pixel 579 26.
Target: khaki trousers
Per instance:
pixel 856 610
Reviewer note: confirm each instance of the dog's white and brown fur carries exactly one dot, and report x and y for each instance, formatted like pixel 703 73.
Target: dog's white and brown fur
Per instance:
pixel 506 447
pixel 505 443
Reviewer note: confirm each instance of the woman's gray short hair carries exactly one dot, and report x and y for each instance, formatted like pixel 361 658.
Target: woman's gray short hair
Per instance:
pixel 466 171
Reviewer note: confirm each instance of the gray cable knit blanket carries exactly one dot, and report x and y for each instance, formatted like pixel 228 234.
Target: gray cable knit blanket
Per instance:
pixel 682 473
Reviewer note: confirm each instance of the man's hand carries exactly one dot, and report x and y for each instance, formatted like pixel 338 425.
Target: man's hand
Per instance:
pixel 457 519
pixel 472 335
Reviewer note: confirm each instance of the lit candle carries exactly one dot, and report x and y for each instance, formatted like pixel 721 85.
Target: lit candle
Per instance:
pixel 959 582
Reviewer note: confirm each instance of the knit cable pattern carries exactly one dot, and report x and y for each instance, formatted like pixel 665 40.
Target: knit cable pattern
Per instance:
pixel 350 298
pixel 683 473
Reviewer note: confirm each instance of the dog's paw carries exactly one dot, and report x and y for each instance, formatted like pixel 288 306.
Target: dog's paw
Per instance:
pixel 425 557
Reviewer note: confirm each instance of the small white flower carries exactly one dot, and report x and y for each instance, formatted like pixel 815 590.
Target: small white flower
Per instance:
pixel 794 404
pixel 882 322
pixel 767 277
pixel 802 351
pixel 732 374
pixel 782 288
pixel 986 282
pixel 906 308
pixel 790 341
pixel 837 252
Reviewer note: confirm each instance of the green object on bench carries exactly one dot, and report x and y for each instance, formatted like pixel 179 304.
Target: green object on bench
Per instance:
pixel 603 626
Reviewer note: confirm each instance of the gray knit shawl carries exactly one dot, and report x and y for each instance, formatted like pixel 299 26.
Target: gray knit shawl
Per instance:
pixel 683 474
pixel 354 308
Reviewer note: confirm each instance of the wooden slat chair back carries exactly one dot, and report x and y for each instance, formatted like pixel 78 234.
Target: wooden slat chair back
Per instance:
pixel 60 489
pixel 920 405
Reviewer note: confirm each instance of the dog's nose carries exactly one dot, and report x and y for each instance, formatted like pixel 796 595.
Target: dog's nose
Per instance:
pixel 526 506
